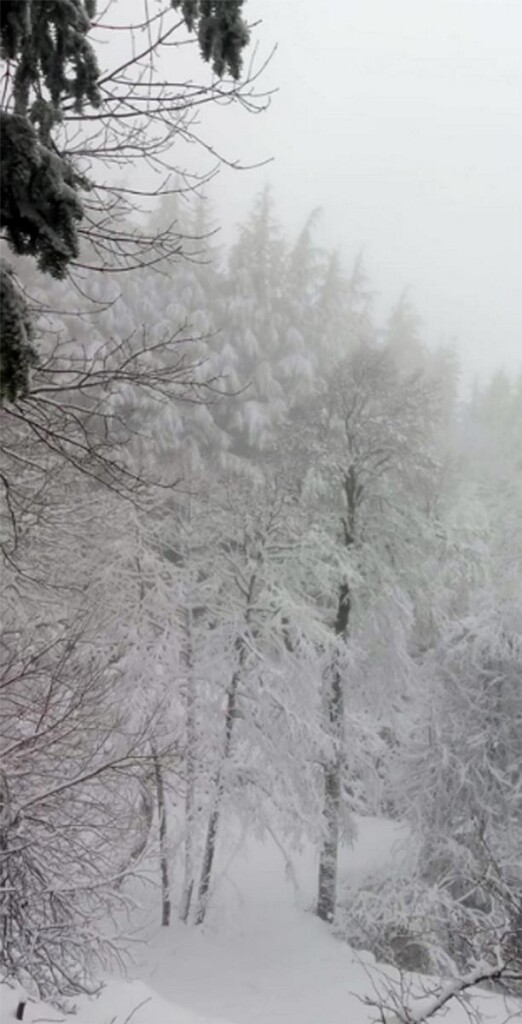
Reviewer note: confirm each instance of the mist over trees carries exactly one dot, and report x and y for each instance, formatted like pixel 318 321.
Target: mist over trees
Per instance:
pixel 261 566
pixel 321 616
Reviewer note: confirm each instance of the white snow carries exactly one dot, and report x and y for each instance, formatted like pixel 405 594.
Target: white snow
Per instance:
pixel 120 1003
pixel 262 958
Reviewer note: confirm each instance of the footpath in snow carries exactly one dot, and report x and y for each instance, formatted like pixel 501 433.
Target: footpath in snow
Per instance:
pixel 261 958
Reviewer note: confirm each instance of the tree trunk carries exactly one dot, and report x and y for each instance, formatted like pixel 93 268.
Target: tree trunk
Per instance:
pixel 190 769
pixel 219 780
pixel 327 887
pixel 208 859
pixel 162 828
pixel 188 879
pixel 327 882
pixel 219 785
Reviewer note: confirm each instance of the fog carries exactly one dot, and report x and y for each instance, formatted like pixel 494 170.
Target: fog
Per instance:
pixel 402 122
pixel 260 532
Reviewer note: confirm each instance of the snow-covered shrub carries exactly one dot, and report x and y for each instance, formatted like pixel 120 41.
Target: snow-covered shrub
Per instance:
pixel 422 925
pixel 458 783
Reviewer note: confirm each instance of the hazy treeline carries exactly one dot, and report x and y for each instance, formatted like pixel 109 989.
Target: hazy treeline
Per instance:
pixel 261 569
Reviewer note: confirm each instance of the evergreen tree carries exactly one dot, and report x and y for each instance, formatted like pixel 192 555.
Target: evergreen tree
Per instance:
pixel 53 76
pixel 40 207
pixel 250 318
pixel 299 361
pixel 221 30
pixel 402 335
pixel 343 311
pixel 17 353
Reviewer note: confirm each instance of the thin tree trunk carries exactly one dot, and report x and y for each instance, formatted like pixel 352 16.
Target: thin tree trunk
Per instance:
pixel 327 885
pixel 208 859
pixel 219 781
pixel 162 828
pixel 190 770
pixel 333 769
pixel 162 810
pixel 327 881
pixel 213 821
pixel 188 879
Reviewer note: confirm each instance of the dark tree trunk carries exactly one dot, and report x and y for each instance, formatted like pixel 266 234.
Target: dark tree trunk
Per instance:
pixel 327 881
pixel 208 860
pixel 327 886
pixel 190 782
pixel 213 822
pixel 162 828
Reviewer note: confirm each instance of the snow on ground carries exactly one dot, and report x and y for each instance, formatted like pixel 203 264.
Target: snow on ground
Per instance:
pixel 261 958
pixel 121 1003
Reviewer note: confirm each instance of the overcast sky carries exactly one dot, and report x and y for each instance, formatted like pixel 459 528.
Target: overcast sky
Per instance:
pixel 402 120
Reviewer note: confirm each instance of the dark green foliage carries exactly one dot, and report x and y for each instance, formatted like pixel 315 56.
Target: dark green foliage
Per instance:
pixel 52 63
pixel 221 29
pixel 17 354
pixel 52 70
pixel 39 206
pixel 47 39
pixel 14 25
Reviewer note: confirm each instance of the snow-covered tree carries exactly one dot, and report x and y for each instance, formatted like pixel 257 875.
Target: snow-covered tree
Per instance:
pixel 83 696
pixel 366 450
pixel 403 335
pixel 252 688
pixel 455 769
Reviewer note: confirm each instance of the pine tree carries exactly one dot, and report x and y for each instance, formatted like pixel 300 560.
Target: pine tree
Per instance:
pixel 221 30
pixel 17 353
pixel 299 360
pixel 250 318
pixel 47 204
pixel 40 208
pixel 402 335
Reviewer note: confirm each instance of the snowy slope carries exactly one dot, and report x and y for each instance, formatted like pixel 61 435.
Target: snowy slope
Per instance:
pixel 120 1003
pixel 262 958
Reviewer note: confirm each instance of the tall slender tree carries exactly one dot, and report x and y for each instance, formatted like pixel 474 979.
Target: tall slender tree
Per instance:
pixel 369 437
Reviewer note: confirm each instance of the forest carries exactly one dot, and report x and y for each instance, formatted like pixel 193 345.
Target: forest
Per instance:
pixel 261 588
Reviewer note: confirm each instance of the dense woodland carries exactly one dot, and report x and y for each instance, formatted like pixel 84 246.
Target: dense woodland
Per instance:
pixel 284 594
pixel 261 577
